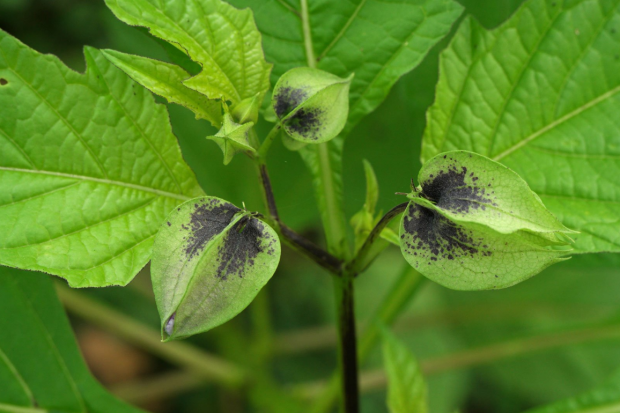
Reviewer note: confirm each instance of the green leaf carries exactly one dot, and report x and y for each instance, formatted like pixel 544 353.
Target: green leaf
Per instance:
pixel 472 256
pixel 222 39
pixel 467 187
pixel 540 94
pixel 312 104
pixel 41 369
pixel 233 138
pixel 210 259
pixel 364 220
pixel 602 399
pixel 407 390
pixel 166 80
pixel 89 168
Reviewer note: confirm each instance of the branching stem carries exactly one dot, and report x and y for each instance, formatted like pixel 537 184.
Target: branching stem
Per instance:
pixel 358 263
pixel 264 148
pixel 295 240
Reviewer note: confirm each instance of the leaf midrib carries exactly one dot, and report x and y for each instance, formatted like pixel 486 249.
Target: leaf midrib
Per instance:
pixel 27 391
pixel 99 181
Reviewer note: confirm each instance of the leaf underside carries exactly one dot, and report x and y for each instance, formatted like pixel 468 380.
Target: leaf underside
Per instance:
pixel 89 168
pixel 540 94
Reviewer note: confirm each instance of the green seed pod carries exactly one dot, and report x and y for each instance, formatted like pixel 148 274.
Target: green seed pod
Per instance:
pixel 209 261
pixel 312 105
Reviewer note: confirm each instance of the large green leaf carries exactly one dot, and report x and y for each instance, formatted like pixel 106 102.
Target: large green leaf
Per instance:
pixel 210 259
pixel 602 399
pixel 41 369
pixel 223 40
pixel 407 390
pixel 540 95
pixel 89 168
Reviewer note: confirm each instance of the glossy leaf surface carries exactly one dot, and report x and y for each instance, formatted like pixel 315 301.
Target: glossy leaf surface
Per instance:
pixel 222 39
pixel 540 94
pixel 210 259
pixel 89 168
pixel 41 369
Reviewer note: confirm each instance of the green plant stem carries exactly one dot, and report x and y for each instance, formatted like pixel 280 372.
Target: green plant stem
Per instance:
pixel 362 259
pixel 196 361
pixel 403 289
pixel 334 221
pixel 347 340
pixel 271 136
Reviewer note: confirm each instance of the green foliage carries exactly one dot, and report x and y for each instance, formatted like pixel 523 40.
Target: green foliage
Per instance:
pixel 210 259
pixel 407 390
pixel 312 105
pixel 40 365
pixel 166 80
pixel 223 40
pixel 364 220
pixel 603 399
pixel 89 168
pixel 528 94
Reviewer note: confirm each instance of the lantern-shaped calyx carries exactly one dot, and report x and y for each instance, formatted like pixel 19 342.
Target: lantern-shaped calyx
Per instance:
pixel 312 105
pixel 233 137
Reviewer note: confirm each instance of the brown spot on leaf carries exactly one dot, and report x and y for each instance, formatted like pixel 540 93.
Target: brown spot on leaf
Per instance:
pixel 3 82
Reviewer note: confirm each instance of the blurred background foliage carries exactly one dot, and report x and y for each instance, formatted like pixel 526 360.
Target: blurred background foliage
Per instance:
pixel 298 300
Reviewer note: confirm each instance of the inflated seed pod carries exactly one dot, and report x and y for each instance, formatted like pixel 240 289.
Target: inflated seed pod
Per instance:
pixel 312 105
